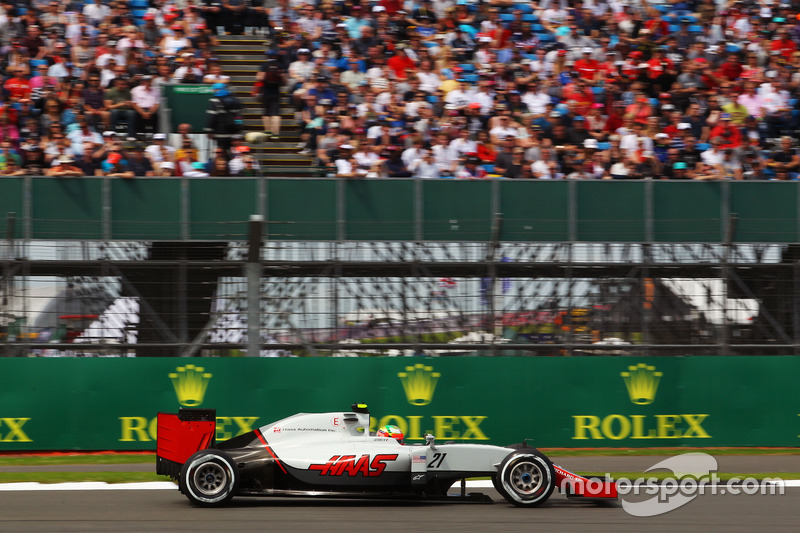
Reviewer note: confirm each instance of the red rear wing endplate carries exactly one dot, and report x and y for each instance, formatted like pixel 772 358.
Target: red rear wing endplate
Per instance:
pixel 178 439
pixel 576 486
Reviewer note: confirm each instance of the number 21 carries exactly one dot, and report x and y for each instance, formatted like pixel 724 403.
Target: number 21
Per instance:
pixel 438 459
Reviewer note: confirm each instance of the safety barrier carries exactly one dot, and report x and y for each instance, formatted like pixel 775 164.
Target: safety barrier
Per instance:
pixel 100 404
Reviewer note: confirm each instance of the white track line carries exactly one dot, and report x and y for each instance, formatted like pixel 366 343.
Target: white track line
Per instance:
pixel 168 485
pixel 89 485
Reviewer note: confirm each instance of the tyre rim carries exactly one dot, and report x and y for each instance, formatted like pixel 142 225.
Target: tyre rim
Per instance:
pixel 527 478
pixel 210 478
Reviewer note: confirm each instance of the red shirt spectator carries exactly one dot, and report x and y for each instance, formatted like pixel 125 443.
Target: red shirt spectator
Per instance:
pixel 731 135
pixel 586 66
pixel 658 27
pixel 658 65
pixel 18 87
pixel 784 45
pixel 399 62
pixel 391 6
pixel 731 69
pixel 582 95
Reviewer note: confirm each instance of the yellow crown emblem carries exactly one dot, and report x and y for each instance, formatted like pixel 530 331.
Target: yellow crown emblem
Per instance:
pixel 190 384
pixel 419 382
pixel 642 383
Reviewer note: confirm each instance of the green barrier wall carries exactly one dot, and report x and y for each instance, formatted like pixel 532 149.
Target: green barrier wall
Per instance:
pixel 402 210
pixel 107 404
pixel 187 104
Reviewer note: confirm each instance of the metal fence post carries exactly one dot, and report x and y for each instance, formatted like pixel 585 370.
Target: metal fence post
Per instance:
pixel 253 269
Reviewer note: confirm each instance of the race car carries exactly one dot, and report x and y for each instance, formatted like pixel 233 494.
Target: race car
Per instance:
pixel 333 454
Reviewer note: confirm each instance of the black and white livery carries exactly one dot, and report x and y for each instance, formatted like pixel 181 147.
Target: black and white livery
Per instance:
pixel 333 454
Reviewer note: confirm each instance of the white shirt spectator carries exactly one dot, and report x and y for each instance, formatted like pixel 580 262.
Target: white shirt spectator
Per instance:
pixel 424 169
pixel 442 156
pixel 181 72
pixel 352 78
pixel 126 42
pixel 502 132
pixel 460 147
pixel 144 97
pixel 754 104
pixel 712 157
pixel 410 154
pixel 343 166
pixel 77 139
pixel 366 158
pixel 485 99
pixel 631 143
pixel 300 70
pixel 536 102
pixel 236 164
pixel 775 101
pixel 102 61
pixel 459 98
pixel 161 153
pixel 57 70
pixel 429 82
pixel 96 12
pixel 541 170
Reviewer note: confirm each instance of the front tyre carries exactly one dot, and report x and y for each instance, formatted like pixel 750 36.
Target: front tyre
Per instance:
pixel 526 478
pixel 209 478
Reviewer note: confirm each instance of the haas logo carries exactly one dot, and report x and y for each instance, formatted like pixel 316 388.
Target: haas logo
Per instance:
pixel 341 465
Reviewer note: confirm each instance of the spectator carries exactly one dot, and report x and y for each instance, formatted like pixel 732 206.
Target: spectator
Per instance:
pixel 160 152
pixel 64 167
pixel 346 165
pixel 271 80
pixel 218 166
pixel 118 103
pixel 242 164
pixel 84 137
pixel 223 116
pixel 138 163
pixel 88 163
pixel 116 166
pixel 146 100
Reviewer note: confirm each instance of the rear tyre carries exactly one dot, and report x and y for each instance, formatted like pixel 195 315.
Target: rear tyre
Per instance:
pixel 209 478
pixel 526 479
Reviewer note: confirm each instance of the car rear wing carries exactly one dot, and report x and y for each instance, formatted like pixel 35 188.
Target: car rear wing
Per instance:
pixel 180 435
pixel 575 486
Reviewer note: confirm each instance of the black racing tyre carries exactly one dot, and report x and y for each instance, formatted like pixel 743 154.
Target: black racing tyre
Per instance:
pixel 209 478
pixel 526 478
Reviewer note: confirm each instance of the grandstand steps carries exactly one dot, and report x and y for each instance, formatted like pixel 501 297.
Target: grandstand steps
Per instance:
pixel 240 57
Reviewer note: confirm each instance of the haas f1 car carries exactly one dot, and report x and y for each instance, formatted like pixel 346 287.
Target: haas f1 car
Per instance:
pixel 333 454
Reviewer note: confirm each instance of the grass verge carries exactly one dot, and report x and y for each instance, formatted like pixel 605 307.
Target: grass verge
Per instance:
pixel 722 476
pixel 622 452
pixel 75 477
pixel 77 459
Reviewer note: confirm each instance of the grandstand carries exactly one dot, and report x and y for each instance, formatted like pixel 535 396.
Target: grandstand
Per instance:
pixel 543 144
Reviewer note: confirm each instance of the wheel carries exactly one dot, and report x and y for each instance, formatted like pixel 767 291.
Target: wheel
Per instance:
pixel 209 478
pixel 526 479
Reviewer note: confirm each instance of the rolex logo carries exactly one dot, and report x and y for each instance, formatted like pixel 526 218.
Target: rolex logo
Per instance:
pixel 419 382
pixel 190 384
pixel 642 383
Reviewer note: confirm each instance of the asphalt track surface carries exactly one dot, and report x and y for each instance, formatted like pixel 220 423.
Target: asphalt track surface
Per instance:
pixel 168 510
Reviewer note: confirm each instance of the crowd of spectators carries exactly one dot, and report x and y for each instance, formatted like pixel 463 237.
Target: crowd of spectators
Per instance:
pixel 593 89
pixel 82 84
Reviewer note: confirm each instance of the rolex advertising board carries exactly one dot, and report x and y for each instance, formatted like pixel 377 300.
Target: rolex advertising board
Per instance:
pixel 111 404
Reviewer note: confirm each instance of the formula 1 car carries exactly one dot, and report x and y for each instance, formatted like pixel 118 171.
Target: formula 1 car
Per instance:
pixel 333 454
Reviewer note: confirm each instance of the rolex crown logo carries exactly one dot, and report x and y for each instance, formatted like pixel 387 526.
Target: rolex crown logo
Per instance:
pixel 642 383
pixel 190 384
pixel 419 382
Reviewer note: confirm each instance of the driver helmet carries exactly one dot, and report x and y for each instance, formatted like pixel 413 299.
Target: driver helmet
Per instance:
pixel 391 431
